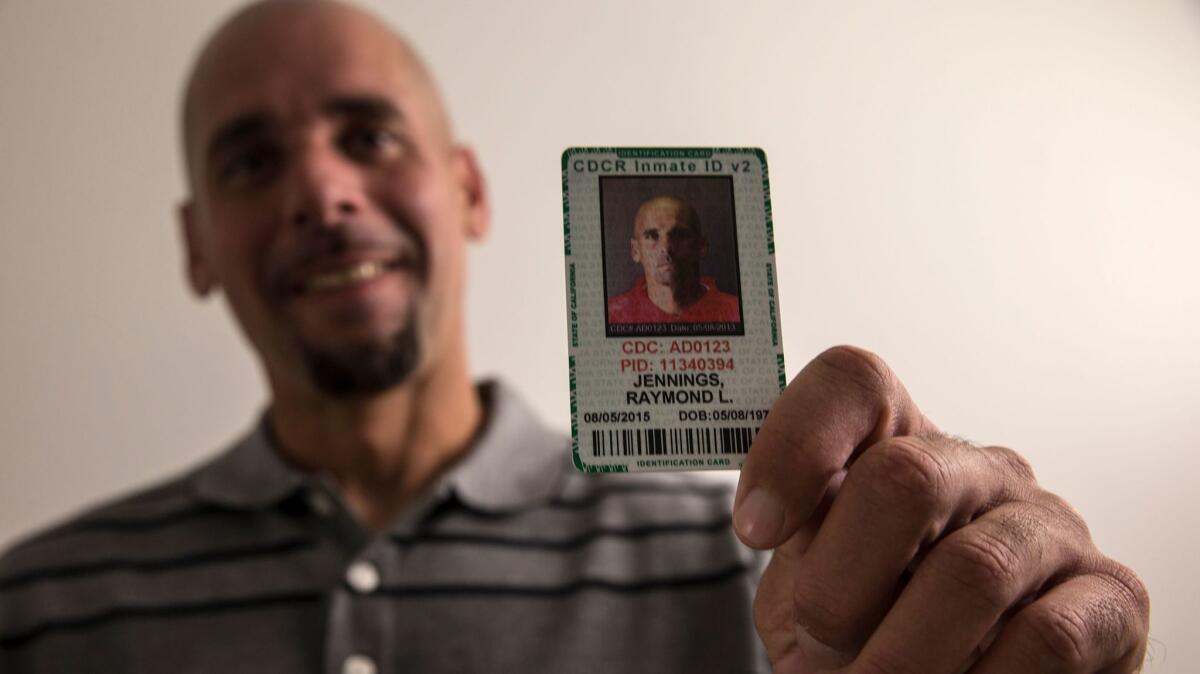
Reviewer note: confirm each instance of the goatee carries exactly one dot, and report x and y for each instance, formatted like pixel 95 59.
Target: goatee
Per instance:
pixel 365 369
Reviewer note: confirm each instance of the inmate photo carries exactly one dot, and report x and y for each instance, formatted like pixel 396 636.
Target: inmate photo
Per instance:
pixel 670 256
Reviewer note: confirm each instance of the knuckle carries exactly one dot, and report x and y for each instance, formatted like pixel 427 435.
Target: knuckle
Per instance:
pixel 860 366
pixel 817 609
pixel 1013 463
pixel 1022 529
pixel 770 615
pixel 1059 635
pixel 769 618
pixel 984 562
pixel 1067 515
pixel 904 470
pixel 1134 596
pixel 774 449
pixel 772 611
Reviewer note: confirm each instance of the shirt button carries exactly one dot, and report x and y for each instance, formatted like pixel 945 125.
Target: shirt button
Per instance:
pixel 321 503
pixel 363 577
pixel 358 664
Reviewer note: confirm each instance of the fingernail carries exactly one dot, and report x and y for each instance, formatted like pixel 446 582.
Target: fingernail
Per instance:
pixel 758 518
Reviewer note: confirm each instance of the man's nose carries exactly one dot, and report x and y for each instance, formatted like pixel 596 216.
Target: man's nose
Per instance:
pixel 324 191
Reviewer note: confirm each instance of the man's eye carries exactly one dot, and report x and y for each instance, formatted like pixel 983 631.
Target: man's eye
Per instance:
pixel 250 167
pixel 370 143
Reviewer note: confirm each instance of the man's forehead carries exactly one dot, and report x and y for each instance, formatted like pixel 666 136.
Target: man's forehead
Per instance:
pixel 282 53
pixel 285 88
pixel 660 213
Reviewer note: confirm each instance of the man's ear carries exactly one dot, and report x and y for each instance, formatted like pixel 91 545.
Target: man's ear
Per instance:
pixel 199 277
pixel 474 186
pixel 633 251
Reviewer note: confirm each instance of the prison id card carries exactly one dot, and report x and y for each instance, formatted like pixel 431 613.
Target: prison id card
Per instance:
pixel 672 306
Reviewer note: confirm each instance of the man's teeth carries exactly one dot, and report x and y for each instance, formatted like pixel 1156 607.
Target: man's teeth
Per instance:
pixel 344 277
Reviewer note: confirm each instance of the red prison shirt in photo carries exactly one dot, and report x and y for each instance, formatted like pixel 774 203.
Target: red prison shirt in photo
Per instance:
pixel 635 306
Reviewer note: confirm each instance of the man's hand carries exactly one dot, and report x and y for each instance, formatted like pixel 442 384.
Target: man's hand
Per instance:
pixel 899 549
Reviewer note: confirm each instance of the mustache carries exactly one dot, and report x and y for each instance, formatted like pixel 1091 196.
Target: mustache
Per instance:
pixel 397 249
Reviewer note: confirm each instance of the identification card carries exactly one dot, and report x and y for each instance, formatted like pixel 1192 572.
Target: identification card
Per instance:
pixel 672 306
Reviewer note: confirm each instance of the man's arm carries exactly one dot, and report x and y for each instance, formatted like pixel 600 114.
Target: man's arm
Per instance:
pixel 901 549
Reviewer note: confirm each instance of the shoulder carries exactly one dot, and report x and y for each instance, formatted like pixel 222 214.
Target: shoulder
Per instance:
pixel 726 299
pixel 724 305
pixel 163 500
pixel 717 296
pixel 624 301
pixel 630 297
pixel 76 571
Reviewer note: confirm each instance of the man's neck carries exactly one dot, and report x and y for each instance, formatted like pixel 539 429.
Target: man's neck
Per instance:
pixel 383 450
pixel 675 299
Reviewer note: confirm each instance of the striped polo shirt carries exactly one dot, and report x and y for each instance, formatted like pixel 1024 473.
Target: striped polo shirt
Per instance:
pixel 511 562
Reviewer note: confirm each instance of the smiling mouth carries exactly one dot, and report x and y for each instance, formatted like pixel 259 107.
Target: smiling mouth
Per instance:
pixel 341 278
pixel 344 277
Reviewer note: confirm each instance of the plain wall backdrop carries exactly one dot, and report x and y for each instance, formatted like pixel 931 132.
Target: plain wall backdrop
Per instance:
pixel 1000 198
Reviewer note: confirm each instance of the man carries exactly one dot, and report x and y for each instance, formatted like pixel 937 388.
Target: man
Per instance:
pixel 386 515
pixel 668 244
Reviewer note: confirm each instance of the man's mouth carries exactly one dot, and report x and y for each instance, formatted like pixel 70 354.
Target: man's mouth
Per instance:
pixel 340 278
pixel 344 276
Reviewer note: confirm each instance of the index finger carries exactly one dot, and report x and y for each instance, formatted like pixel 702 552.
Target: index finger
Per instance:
pixel 845 399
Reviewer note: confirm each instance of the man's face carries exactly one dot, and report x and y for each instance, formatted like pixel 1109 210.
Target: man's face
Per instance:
pixel 666 243
pixel 328 202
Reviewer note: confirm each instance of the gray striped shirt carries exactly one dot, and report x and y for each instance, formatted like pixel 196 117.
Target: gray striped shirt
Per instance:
pixel 511 562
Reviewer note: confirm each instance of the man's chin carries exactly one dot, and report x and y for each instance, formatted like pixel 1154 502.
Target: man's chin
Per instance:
pixel 363 368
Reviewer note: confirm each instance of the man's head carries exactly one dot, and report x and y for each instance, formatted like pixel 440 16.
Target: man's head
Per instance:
pixel 328 200
pixel 668 244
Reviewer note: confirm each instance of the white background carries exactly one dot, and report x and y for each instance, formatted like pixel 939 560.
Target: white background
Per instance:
pixel 1000 198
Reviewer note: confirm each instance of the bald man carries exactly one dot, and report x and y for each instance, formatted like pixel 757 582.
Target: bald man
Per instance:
pixel 668 244
pixel 386 514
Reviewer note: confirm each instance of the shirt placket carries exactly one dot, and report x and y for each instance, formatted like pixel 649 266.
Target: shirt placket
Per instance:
pixel 360 622
pixel 364 632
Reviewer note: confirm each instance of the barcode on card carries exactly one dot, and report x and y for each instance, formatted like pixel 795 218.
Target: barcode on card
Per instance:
pixel 668 441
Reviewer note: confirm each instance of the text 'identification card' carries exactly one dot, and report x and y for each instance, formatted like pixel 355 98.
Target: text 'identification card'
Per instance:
pixel 672 307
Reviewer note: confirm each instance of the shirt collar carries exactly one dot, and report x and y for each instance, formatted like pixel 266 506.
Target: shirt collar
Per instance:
pixel 516 461
pixel 513 463
pixel 250 474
